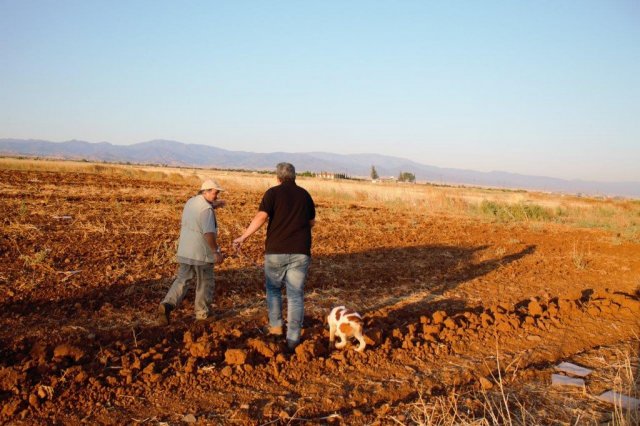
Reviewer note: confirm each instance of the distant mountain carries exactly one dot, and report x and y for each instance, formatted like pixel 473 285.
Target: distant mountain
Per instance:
pixel 179 154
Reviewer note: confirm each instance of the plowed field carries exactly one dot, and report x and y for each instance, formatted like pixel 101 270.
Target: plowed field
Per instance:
pixel 453 305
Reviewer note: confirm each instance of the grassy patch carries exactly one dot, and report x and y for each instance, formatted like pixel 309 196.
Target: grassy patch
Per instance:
pixel 35 259
pixel 619 217
pixel 519 212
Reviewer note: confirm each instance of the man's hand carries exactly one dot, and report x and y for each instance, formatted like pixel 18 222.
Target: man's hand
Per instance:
pixel 259 219
pixel 237 243
pixel 218 257
pixel 216 204
pixel 210 238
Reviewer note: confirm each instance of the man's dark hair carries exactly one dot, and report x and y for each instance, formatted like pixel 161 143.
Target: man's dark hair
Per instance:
pixel 286 172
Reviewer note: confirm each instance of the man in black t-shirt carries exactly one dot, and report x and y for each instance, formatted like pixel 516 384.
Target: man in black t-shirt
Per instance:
pixel 291 214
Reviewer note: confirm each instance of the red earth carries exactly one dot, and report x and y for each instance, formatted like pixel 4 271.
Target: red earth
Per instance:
pixel 449 302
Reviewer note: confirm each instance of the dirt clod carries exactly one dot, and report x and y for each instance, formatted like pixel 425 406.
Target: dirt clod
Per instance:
pixel 534 308
pixel 443 297
pixel 235 356
pixel 70 351
pixel 485 383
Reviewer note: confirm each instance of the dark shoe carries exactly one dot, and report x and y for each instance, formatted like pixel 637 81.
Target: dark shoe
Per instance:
pixel 291 347
pixel 164 313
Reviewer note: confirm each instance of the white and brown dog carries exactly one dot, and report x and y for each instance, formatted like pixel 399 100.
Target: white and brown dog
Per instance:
pixel 345 323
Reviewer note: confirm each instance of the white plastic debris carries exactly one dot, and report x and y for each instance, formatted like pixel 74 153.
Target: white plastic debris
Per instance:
pixel 620 400
pixel 561 380
pixel 574 370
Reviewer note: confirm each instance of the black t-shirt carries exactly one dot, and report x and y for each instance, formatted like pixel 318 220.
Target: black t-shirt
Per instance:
pixel 290 208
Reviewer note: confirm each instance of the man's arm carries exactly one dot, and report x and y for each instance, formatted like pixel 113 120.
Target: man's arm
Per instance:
pixel 210 238
pixel 216 204
pixel 258 220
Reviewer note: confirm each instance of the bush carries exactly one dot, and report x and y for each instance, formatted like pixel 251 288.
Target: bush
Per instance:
pixel 515 212
pixel 406 177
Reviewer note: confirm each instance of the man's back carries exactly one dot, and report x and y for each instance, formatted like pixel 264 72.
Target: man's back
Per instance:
pixel 291 215
pixel 198 218
pixel 290 209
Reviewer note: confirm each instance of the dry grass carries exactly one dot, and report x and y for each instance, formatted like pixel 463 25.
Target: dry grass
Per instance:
pixel 130 171
pixel 580 256
pixel 619 217
pixel 478 408
pixel 501 405
pixel 616 368
pixel 512 402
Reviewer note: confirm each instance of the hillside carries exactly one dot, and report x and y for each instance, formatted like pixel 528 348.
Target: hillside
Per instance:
pixel 180 154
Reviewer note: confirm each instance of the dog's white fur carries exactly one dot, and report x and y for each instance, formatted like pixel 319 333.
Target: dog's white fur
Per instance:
pixel 345 323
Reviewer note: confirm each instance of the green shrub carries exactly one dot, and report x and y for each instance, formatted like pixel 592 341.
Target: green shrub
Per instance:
pixel 515 212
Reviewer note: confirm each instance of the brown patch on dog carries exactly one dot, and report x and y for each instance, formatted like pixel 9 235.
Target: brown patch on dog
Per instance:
pixel 338 314
pixel 354 318
pixel 346 328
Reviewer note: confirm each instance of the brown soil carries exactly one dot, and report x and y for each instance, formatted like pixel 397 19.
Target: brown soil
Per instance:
pixel 443 298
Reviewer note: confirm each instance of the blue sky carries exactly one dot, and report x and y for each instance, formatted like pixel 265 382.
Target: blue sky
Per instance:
pixel 543 87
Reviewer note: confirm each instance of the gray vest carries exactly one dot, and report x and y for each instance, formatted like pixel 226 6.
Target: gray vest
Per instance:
pixel 192 244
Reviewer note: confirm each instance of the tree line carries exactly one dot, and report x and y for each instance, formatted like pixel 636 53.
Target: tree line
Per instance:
pixel 402 177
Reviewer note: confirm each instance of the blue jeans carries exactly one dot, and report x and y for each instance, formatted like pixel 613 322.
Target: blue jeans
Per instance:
pixel 289 270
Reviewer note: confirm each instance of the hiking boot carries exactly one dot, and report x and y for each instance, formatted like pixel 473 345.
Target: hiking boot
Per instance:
pixel 164 313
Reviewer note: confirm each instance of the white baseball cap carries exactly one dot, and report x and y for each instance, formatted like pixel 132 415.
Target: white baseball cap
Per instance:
pixel 211 184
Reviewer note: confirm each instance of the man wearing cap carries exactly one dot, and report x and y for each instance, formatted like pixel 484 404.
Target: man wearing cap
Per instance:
pixel 291 214
pixel 198 251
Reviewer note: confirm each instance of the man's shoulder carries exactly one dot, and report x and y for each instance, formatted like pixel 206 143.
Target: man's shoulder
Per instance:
pixel 293 186
pixel 279 190
pixel 287 190
pixel 269 193
pixel 301 194
pixel 190 201
pixel 304 192
pixel 199 202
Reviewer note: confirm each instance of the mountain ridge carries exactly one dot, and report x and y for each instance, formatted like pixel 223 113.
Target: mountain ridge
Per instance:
pixel 175 153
